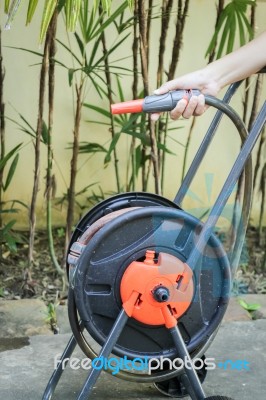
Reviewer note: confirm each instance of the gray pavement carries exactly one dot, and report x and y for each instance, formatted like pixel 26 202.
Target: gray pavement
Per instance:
pixel 24 371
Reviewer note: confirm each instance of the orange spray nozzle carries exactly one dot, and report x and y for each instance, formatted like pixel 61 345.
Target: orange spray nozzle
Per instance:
pixel 132 106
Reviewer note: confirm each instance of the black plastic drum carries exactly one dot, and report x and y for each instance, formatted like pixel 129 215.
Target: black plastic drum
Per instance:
pixel 125 239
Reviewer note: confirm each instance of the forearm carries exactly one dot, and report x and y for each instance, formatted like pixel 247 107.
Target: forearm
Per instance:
pixel 240 64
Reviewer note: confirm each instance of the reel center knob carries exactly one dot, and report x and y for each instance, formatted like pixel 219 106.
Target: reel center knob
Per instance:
pixel 161 294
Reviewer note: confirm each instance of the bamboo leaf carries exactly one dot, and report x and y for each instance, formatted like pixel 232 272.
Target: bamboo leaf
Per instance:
pixel 241 29
pixel 8 226
pixel 113 144
pixel 232 33
pixel 88 147
pixel 216 33
pixel 7 3
pixel 13 8
pixel 71 72
pixel 70 51
pixel 120 90
pixel 49 8
pixel 80 44
pixel 223 38
pixel 110 51
pixel 72 10
pixel 31 10
pixel 11 172
pixel 45 133
pixel 94 50
pixel 109 20
pixel 162 147
pixel 248 26
pixel 130 4
pixel 9 211
pixel 99 110
pixel 88 27
pixel 4 160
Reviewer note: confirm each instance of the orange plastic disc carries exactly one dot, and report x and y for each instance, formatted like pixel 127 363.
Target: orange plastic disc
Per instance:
pixel 165 289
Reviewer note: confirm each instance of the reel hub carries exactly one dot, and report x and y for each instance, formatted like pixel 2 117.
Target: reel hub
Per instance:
pixel 158 282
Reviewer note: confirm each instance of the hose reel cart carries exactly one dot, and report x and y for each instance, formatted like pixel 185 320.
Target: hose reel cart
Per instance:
pixel 149 280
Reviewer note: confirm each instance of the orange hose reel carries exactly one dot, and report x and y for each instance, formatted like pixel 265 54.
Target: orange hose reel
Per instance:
pixel 163 289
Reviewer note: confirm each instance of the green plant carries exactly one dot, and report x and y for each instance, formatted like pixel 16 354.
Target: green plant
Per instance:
pixel 8 166
pixel 51 316
pixel 72 10
pixel 231 18
pixel 250 307
pixel 89 66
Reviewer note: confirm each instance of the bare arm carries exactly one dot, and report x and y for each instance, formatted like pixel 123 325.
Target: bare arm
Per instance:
pixel 233 67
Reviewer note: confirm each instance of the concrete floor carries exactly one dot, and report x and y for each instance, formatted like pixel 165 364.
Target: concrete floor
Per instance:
pixel 28 349
pixel 24 372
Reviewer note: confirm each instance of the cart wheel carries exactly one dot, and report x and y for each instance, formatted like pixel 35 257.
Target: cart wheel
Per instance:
pixel 175 388
pixel 219 398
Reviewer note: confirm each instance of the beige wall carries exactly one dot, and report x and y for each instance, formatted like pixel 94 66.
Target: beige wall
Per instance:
pixel 21 93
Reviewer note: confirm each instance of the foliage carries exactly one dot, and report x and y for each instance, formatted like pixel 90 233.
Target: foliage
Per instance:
pixel 250 307
pixel 91 63
pixel 232 19
pixel 72 9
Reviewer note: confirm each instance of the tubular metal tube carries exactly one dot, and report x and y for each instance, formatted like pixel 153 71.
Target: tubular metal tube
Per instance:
pixel 224 108
pixel 53 381
pixel 228 186
pixel 193 385
pixel 104 353
pixel 204 146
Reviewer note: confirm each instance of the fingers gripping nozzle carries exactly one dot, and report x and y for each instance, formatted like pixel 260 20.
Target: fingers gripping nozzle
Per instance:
pixel 154 103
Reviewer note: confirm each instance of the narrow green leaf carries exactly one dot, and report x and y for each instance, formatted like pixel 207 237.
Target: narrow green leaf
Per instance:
pixel 70 51
pixel 10 211
pixel 72 10
pixel 4 160
pixel 13 8
pixel 99 110
pixel 241 29
pixel 110 51
pixel 45 133
pixel 248 26
pixel 71 72
pixel 130 4
pixel 94 50
pixel 109 20
pixel 249 306
pixel 216 33
pixel 7 2
pixel 112 147
pixel 232 33
pixel 132 119
pixel 48 11
pixel 120 90
pixel 14 201
pixel 161 146
pixel 223 38
pixel 88 147
pixel 8 226
pixel 100 90
pixel 81 45
pixel 31 10
pixel 138 159
pixel 11 172
pixel 88 26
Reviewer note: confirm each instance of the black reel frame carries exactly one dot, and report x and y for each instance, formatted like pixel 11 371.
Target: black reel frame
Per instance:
pixel 151 207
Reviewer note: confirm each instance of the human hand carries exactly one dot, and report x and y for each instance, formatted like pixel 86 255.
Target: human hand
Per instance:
pixel 196 104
